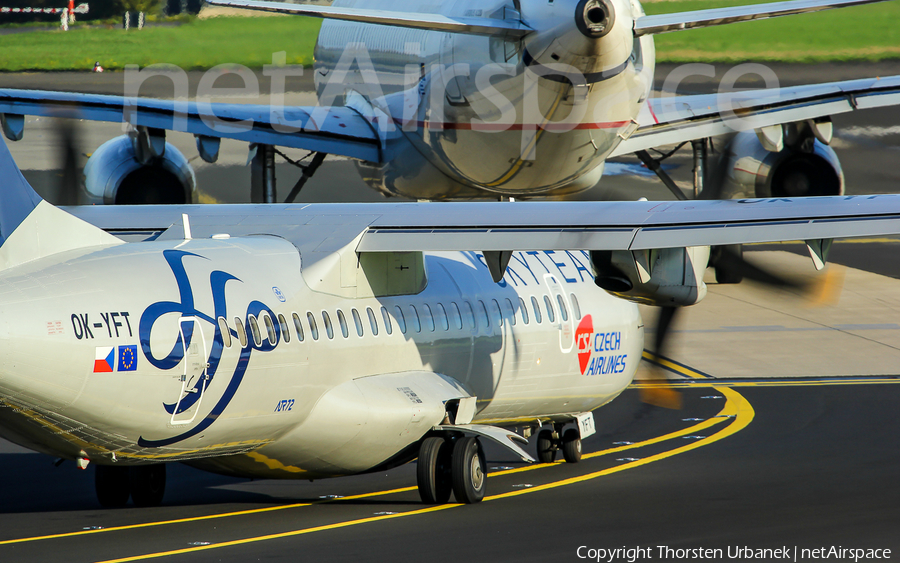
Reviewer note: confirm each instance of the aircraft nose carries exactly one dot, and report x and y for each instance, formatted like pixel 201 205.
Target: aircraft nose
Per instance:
pixel 595 18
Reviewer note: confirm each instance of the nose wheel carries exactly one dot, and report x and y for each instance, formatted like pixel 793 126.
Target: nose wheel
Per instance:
pixel 446 464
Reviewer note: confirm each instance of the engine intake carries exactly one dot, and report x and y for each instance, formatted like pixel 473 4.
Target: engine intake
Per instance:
pixel 114 175
pixel 806 167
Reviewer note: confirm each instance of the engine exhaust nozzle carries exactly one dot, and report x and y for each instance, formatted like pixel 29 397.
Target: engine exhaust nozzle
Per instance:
pixel 595 18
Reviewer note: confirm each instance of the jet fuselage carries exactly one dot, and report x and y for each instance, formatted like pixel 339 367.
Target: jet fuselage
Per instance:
pixel 471 116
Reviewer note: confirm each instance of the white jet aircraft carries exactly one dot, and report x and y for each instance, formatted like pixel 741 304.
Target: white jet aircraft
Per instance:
pixel 477 98
pixel 312 341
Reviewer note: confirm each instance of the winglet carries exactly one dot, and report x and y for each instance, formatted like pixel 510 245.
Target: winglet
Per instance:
pixel 17 197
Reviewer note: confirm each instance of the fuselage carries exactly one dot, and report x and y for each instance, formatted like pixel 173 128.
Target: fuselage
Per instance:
pixel 104 351
pixel 472 116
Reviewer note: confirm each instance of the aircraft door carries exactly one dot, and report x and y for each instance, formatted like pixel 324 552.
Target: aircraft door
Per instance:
pixel 195 377
pixel 563 314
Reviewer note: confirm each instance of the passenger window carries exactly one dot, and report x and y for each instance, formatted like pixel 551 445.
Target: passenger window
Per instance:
pixel 357 321
pixel 511 312
pixel 414 317
pixel 283 326
pixel 386 317
pixel 576 310
pixel 373 322
pixel 483 315
pixel 225 332
pixel 524 310
pixel 343 322
pixel 551 314
pixel 457 316
pixel 254 330
pixel 429 318
pixel 270 329
pixel 329 330
pixel 470 315
pixel 242 334
pixel 495 310
pixel 401 320
pixel 563 312
pixel 536 308
pixel 442 317
pixel 298 327
pixel 313 329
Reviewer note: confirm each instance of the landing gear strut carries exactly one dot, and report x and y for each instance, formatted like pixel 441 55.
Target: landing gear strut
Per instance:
pixel 549 442
pixel 145 484
pixel 454 464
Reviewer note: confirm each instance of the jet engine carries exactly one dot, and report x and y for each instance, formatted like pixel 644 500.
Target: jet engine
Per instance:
pixel 795 162
pixel 129 170
pixel 668 277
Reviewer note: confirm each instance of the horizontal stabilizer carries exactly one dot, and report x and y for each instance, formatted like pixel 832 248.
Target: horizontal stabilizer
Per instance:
pixel 434 22
pixel 664 23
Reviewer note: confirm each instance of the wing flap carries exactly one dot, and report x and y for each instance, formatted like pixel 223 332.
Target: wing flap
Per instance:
pixel 434 22
pixel 665 23
pixel 334 130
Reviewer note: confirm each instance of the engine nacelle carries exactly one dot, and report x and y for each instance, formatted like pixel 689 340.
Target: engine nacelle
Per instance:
pixel 668 277
pixel 114 175
pixel 804 167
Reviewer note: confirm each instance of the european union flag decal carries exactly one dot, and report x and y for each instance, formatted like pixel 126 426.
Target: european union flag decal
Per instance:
pixel 128 357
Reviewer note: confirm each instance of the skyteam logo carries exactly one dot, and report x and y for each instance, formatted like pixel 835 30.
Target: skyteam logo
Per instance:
pixel 597 350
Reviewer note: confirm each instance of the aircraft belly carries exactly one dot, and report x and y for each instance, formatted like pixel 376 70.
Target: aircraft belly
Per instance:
pixel 358 425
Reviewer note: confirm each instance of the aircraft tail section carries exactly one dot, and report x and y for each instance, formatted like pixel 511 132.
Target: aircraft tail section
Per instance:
pixel 31 228
pixel 17 197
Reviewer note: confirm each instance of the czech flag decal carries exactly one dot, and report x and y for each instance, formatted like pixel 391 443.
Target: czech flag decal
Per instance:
pixel 104 359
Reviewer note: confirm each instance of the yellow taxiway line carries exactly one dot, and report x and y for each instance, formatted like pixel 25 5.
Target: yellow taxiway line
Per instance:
pixel 736 409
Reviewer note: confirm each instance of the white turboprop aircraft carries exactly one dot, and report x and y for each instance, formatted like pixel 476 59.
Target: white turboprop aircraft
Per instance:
pixel 311 341
pixel 473 98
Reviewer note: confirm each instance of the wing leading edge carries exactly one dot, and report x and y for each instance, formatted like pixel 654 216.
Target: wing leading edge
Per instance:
pixel 525 226
pixel 675 119
pixel 665 23
pixel 435 22
pixel 334 130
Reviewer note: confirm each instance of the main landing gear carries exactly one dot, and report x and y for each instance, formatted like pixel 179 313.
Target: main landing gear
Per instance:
pixel 549 442
pixel 451 463
pixel 145 484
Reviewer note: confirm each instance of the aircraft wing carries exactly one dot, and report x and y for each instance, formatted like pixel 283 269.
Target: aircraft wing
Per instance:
pixel 516 226
pixel 665 23
pixel 333 130
pixel 675 119
pixel 474 25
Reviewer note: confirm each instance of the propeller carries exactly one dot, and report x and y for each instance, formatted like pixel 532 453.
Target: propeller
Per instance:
pixel 69 184
pixel 731 259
